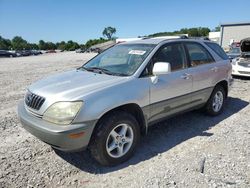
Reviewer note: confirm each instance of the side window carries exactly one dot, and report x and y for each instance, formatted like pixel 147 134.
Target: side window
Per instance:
pixel 217 49
pixel 198 54
pixel 173 54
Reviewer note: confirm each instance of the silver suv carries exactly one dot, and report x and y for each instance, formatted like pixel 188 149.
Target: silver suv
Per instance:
pixel 109 102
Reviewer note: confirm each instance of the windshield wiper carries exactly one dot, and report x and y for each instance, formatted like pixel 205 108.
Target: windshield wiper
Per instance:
pixel 92 69
pixel 98 70
pixel 102 70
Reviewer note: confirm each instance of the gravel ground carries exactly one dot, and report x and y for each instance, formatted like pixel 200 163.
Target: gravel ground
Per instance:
pixel 191 150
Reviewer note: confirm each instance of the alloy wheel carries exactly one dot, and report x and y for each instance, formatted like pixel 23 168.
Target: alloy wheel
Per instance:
pixel 218 101
pixel 119 140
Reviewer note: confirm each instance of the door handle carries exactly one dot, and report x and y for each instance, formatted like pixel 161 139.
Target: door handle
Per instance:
pixel 186 76
pixel 215 69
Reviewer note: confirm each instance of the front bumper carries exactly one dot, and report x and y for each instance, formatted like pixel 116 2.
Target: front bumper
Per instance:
pixel 56 135
pixel 240 71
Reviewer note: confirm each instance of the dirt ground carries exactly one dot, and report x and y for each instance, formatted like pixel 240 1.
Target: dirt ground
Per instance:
pixel 191 150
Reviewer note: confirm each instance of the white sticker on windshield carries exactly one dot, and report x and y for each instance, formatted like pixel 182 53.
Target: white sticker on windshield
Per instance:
pixel 137 52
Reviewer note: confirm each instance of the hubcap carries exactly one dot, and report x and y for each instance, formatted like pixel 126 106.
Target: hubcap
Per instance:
pixel 119 141
pixel 217 101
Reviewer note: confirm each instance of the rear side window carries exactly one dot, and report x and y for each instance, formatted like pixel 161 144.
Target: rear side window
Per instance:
pixel 198 54
pixel 217 49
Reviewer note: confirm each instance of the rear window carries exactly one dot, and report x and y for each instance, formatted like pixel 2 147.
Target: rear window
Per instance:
pixel 217 49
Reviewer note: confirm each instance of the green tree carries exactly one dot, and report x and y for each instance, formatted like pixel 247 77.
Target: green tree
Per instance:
pixel 50 46
pixel 33 46
pixel 203 31
pixel 5 44
pixel 192 32
pixel 42 45
pixel 92 42
pixel 82 46
pixel 70 45
pixel 217 28
pixel 109 32
pixel 18 43
pixel 61 45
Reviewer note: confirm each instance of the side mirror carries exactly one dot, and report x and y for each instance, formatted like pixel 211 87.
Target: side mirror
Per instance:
pixel 161 68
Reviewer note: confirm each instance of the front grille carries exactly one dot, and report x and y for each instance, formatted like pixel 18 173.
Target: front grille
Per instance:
pixel 34 101
pixel 244 72
pixel 244 64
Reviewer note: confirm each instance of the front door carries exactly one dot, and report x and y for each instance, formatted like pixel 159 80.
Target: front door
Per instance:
pixel 171 93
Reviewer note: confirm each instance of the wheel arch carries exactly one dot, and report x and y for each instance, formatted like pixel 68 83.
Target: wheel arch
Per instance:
pixel 224 84
pixel 132 108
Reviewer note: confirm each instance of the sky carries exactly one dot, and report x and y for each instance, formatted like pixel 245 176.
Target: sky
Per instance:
pixel 81 20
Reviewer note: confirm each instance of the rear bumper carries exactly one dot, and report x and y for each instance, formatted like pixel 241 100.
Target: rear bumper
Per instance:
pixel 56 135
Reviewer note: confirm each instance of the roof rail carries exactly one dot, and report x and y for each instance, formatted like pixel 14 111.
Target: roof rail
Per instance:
pixel 174 37
pixel 199 38
pixel 171 37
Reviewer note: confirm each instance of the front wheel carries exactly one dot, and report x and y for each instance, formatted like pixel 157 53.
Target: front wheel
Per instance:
pixel 115 139
pixel 216 101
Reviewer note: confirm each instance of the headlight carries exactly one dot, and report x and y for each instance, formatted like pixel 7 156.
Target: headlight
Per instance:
pixel 62 112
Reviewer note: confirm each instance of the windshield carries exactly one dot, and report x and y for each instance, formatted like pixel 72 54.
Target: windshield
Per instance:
pixel 121 60
pixel 235 51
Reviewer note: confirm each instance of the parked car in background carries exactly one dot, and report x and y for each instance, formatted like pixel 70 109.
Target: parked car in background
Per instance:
pixel 50 51
pixel 5 53
pixel 233 53
pixel 24 52
pixel 89 50
pixel 96 50
pixel 241 64
pixel 109 102
pixel 80 50
pixel 35 52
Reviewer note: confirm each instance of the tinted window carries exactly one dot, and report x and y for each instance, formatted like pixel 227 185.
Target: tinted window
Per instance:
pixel 198 54
pixel 218 50
pixel 173 54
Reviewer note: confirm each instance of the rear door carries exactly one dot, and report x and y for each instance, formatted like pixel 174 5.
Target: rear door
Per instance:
pixel 204 71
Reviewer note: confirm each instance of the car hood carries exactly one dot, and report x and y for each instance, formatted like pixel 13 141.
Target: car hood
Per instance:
pixel 245 45
pixel 73 85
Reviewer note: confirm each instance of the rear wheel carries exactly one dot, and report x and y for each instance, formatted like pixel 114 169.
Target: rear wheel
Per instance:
pixel 115 138
pixel 216 101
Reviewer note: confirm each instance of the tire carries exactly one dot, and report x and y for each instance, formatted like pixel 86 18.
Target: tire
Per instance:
pixel 216 102
pixel 108 135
